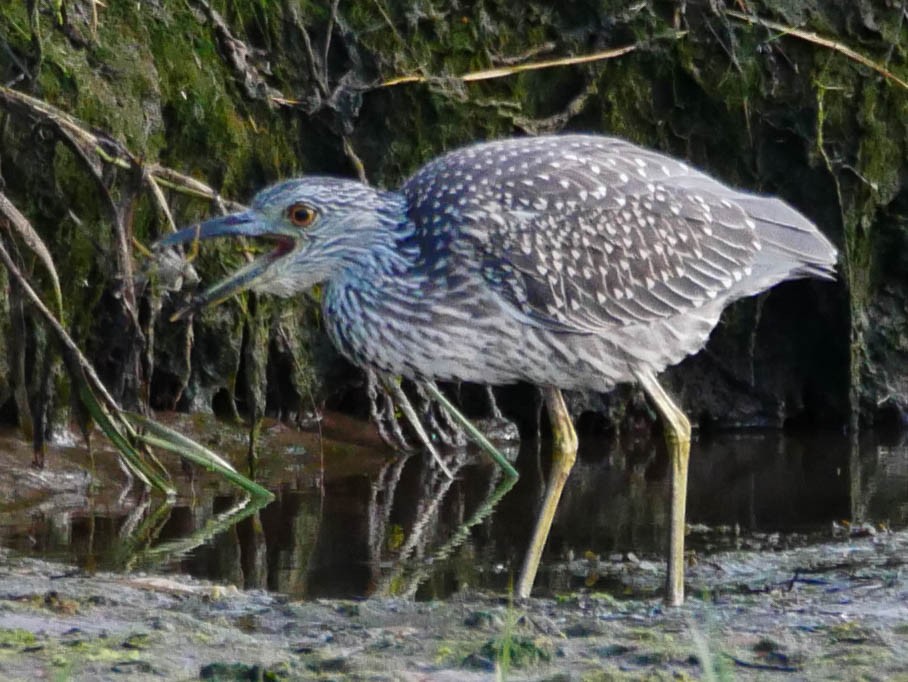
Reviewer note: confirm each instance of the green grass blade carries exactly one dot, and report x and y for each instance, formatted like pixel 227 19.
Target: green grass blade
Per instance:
pixel 131 457
pixel 166 438
pixel 477 435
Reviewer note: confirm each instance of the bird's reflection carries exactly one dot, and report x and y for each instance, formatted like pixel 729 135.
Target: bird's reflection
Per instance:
pixel 396 524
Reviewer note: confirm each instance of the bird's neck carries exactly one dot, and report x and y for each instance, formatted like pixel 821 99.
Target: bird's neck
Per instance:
pixel 383 290
pixel 386 252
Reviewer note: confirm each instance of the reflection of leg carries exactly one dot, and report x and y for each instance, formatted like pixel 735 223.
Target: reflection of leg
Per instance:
pixel 434 491
pixel 677 438
pixel 381 499
pixel 496 493
pixel 462 532
pixel 564 454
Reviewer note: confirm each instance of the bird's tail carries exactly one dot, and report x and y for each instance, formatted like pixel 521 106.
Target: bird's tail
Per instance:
pixel 789 239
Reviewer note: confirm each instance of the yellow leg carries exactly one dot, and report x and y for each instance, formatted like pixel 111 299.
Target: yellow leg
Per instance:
pixel 564 454
pixel 677 437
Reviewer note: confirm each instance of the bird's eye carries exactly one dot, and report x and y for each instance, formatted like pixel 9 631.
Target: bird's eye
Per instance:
pixel 301 215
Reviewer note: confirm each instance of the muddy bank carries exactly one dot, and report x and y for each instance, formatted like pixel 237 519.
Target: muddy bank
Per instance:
pixel 832 611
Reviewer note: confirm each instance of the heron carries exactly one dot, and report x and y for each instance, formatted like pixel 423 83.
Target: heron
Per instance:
pixel 570 262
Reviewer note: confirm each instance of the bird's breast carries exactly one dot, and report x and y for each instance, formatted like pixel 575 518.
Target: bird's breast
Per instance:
pixel 420 330
pixel 465 332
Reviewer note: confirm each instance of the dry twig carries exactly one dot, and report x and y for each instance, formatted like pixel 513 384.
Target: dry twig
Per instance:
pixel 811 37
pixel 502 71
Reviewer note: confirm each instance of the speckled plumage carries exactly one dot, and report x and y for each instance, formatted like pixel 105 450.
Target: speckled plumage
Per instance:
pixel 573 261
pixel 569 261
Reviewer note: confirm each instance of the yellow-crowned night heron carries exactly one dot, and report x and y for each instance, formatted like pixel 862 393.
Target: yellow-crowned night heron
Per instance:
pixel 569 262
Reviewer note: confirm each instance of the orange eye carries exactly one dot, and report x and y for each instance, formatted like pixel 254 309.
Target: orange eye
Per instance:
pixel 301 215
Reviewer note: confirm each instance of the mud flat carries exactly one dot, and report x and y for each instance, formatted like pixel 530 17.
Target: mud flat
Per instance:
pixel 836 610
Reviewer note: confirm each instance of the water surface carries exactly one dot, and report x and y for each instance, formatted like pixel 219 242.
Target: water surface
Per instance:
pixel 352 520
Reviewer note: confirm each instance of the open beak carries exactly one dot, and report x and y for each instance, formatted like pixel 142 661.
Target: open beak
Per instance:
pixel 243 224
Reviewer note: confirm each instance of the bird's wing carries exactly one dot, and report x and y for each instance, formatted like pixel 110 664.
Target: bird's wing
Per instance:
pixel 585 232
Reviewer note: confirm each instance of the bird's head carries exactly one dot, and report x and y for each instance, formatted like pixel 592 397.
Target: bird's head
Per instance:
pixel 318 226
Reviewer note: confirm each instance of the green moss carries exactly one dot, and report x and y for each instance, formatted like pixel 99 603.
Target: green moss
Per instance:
pixel 199 117
pixel 112 88
pixel 646 635
pixel 16 638
pixel 61 652
pixel 884 122
pixel 627 95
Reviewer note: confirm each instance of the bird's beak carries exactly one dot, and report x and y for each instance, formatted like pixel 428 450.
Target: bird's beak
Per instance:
pixel 243 224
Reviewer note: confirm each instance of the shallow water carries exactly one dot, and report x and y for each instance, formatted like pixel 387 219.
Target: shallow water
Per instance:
pixel 354 520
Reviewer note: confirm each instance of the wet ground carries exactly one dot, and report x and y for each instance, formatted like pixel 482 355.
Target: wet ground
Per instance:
pixel 797 565
pixel 834 611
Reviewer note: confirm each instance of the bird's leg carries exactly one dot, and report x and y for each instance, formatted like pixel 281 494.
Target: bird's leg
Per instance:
pixel 383 416
pixel 474 433
pixel 677 438
pixel 564 454
pixel 403 402
pixel 493 405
